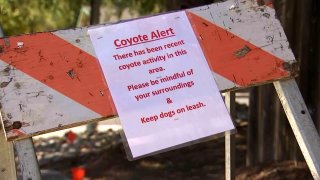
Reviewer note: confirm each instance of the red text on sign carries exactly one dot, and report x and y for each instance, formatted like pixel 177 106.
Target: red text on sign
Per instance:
pixel 139 39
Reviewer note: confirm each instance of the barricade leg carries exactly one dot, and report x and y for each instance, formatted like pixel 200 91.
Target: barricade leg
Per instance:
pixel 301 123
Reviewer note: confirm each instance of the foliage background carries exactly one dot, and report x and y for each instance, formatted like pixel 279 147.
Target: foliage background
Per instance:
pixel 269 136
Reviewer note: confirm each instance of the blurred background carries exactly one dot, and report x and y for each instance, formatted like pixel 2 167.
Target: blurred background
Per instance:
pixel 265 145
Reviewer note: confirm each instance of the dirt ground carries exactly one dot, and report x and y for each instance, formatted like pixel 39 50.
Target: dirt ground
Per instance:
pixel 103 157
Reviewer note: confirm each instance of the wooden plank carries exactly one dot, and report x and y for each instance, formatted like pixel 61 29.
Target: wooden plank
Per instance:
pixel 52 80
pixel 27 159
pixel 301 123
pixel 230 149
pixel 7 165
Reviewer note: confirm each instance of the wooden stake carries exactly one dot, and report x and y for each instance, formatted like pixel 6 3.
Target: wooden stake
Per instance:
pixel 230 140
pixel 7 164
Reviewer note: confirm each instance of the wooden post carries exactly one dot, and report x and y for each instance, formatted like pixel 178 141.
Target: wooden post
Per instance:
pixel 277 146
pixel 28 160
pixel 251 157
pixel 318 88
pixel 94 19
pixel 230 140
pixel 7 164
pixel 261 125
pixel 266 121
pixel 301 123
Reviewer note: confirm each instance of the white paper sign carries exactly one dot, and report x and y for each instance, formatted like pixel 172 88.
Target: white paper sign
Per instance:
pixel 159 79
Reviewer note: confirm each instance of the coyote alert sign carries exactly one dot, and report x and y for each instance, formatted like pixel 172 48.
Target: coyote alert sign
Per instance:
pixel 160 81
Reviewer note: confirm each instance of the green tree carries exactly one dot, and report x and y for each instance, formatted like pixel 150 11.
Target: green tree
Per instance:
pixel 28 16
pixel 145 7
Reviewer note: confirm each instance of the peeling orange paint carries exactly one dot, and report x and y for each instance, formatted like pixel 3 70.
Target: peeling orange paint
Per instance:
pixel 235 58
